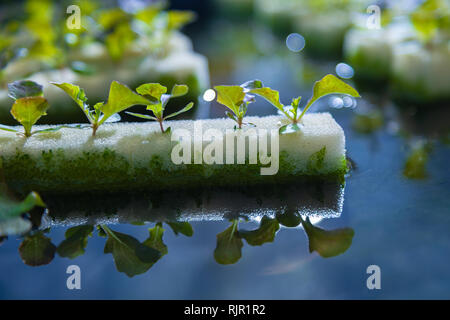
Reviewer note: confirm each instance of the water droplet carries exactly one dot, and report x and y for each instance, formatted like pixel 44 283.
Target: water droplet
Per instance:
pixel 344 71
pixel 71 38
pixel 348 102
pixel 336 102
pixel 209 95
pixel 22 52
pixel 295 42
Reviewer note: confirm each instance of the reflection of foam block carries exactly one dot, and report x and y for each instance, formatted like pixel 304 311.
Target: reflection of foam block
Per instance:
pixel 323 199
pixel 127 156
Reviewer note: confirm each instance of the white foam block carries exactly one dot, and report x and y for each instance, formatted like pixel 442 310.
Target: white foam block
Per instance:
pixel 138 143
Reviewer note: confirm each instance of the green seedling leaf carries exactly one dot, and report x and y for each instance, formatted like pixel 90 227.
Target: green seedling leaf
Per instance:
pixel 54 129
pixel 265 233
pixel 119 40
pixel 231 97
pixel 152 91
pixel 37 250
pixel 158 99
pixel 329 85
pixel 112 17
pixel 185 109
pixel 295 104
pixel 181 227
pixel 76 241
pixel 271 96
pixel 177 19
pixel 179 90
pixel 28 110
pixel 328 243
pixel 231 116
pixel 289 128
pixel 148 14
pixel 229 245
pixel 426 18
pixel 7 128
pixel 78 95
pixel 24 88
pixel 130 256
pixel 316 160
pixel 120 98
pixel 143 116
pixel 155 240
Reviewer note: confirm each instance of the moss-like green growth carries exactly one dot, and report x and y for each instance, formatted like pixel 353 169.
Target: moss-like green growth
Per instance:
pixel 56 172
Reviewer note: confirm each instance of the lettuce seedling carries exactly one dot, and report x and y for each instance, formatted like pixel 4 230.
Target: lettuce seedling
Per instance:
pixel 327 85
pixel 120 98
pixel 157 100
pixel 237 99
pixel 430 18
pixel 29 106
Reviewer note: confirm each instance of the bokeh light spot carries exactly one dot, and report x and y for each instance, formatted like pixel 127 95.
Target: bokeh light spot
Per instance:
pixel 295 42
pixel 209 95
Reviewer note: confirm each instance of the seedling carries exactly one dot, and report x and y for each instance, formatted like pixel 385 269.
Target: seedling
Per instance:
pixel 29 106
pixel 156 95
pixel 327 85
pixel 120 98
pixel 429 19
pixel 237 99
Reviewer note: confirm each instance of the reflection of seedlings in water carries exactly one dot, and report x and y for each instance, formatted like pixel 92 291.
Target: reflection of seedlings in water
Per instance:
pixel 351 164
pixel 181 227
pixel 318 191
pixel 155 240
pixel 35 216
pixel 289 218
pixel 130 256
pixel 265 233
pixel 75 242
pixel 328 243
pixel 415 165
pixel 12 210
pixel 229 245
pixel 3 239
pixel 37 249
pixel 369 122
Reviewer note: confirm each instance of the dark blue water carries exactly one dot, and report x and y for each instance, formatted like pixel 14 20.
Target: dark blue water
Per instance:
pixel 400 224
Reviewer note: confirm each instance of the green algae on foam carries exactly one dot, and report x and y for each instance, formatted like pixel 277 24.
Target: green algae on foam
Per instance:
pixel 130 156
